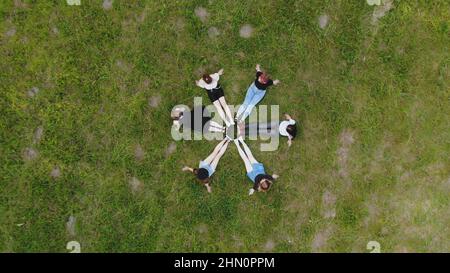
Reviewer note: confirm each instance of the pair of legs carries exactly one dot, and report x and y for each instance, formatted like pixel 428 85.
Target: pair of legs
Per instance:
pixel 245 154
pixel 253 96
pixel 262 129
pixel 215 127
pixel 214 157
pixel 224 111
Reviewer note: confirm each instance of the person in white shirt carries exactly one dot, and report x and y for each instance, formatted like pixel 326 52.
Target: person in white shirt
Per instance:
pixel 287 128
pixel 216 95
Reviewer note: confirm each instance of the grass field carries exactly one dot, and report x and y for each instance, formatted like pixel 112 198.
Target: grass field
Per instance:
pixel 86 153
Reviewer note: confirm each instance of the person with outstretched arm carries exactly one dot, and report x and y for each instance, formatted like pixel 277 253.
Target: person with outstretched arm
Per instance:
pixel 255 170
pixel 208 166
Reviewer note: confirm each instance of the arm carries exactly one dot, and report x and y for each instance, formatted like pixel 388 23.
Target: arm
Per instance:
pixel 287 116
pixel 220 72
pixel 258 68
pixel 275 82
pixel 187 169
pixel 208 187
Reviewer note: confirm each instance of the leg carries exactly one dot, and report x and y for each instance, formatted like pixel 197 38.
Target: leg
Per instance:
pixel 227 109
pixel 259 95
pixel 215 130
pixel 219 155
pixel 248 98
pixel 265 129
pixel 250 156
pixel 220 112
pixel 248 165
pixel 215 125
pixel 251 129
pixel 210 158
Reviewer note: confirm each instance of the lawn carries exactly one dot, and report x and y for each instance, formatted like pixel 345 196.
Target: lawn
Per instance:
pixel 86 152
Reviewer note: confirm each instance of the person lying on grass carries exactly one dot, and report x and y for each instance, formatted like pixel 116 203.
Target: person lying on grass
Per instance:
pixel 216 95
pixel 255 170
pixel 207 167
pixel 287 128
pixel 255 93
pixel 202 122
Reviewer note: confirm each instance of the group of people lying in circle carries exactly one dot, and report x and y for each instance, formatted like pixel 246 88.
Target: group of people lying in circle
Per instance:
pixel 183 117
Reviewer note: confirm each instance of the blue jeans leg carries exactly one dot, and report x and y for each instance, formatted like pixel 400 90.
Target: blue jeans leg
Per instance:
pixel 248 98
pixel 257 97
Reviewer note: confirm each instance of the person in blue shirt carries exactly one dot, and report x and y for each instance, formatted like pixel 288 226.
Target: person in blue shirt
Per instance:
pixel 255 170
pixel 207 167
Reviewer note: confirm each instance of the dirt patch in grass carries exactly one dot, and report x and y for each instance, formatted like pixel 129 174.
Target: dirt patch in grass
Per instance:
pixel 56 172
pixel 171 149
pixel 213 32
pixel 246 31
pixel 323 21
pixel 346 139
pixel 139 153
pixel 320 239
pixel 11 32
pixel 202 228
pixel 329 205
pixel 32 92
pixel 29 154
pixel 135 185
pixel 38 134
pixel 107 4
pixel 19 4
pixel 70 225
pixel 154 101
pixel 269 246
pixel 381 10
pixel 201 13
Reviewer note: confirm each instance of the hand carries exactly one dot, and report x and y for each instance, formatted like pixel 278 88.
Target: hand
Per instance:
pixel 220 72
pixel 197 83
pixel 208 188
pixel 252 191
pixel 275 82
pixel 289 142
pixel 185 169
pixel 258 67
pixel 275 176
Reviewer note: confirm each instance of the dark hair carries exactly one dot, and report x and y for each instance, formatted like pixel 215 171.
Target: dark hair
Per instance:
pixel 264 182
pixel 292 130
pixel 202 174
pixel 207 78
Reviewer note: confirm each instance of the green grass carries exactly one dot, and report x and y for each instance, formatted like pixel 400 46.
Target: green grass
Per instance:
pixel 387 86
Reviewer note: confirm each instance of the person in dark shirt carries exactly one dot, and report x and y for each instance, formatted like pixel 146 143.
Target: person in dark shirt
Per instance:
pixel 201 122
pixel 255 170
pixel 255 93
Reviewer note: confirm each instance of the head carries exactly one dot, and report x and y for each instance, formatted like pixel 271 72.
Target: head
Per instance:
pixel 207 78
pixel 176 115
pixel 292 130
pixel 265 183
pixel 263 78
pixel 202 175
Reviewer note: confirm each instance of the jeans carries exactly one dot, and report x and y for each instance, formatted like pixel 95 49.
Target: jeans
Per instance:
pixel 253 96
pixel 263 129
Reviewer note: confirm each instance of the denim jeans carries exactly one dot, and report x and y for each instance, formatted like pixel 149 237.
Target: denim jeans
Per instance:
pixel 253 96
